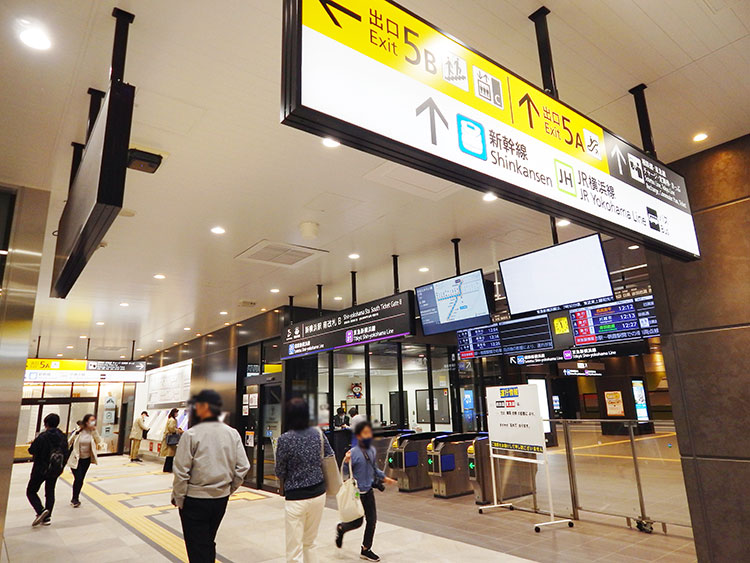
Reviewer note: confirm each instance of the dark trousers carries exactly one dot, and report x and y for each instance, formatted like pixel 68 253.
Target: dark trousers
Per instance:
pixel 168 461
pixel 79 474
pixel 371 516
pixel 35 482
pixel 200 519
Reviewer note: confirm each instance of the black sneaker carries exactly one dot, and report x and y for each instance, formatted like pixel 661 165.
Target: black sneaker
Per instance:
pixel 368 555
pixel 339 536
pixel 40 518
pixel 75 503
pixel 47 521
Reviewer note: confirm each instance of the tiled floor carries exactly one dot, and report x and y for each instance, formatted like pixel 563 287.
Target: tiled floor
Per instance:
pixel 126 516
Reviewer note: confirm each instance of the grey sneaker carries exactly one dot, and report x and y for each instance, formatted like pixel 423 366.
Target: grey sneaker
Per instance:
pixel 40 518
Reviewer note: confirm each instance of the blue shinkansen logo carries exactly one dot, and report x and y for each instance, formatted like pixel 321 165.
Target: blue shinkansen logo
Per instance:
pixel 471 137
pixel 291 349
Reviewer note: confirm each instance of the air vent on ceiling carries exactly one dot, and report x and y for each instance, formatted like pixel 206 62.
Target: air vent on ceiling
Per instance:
pixel 280 253
pixel 247 303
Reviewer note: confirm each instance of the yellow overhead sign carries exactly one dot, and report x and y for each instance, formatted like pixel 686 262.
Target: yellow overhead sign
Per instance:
pixel 392 36
pixel 37 364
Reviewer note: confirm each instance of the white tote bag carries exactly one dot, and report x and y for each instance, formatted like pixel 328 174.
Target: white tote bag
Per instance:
pixel 350 506
pixel 331 474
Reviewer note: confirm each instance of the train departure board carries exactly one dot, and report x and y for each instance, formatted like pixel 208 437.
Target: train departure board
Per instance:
pixel 507 337
pixel 605 323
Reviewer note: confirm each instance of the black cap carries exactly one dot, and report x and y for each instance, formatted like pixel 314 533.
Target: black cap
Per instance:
pixel 208 396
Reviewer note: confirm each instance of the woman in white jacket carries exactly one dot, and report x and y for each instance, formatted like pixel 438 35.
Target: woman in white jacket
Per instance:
pixel 83 445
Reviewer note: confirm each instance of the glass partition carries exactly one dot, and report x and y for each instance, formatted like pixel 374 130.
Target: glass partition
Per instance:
pixel 441 386
pixel 349 379
pixel 384 384
pixel 416 387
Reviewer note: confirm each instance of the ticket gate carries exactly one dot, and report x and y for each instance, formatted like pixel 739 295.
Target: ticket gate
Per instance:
pixel 382 441
pixel 407 460
pixel 513 479
pixel 448 464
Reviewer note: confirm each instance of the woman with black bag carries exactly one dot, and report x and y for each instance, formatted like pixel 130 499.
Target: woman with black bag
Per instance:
pixel 368 477
pixel 170 440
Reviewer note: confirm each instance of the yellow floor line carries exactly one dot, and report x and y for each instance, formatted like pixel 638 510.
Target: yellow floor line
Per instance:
pixel 640 458
pixel 615 442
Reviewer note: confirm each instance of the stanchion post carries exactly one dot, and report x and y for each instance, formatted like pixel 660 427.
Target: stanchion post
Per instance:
pixel 571 468
pixel 638 485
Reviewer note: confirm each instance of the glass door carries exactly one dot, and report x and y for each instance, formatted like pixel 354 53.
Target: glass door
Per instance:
pixel 270 430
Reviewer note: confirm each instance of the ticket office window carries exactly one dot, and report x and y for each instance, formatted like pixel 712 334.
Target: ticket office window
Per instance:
pixel 349 380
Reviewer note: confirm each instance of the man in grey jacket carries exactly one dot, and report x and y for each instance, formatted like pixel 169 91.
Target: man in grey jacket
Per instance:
pixel 210 464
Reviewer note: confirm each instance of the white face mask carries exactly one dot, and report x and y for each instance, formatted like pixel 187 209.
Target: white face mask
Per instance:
pixel 92 423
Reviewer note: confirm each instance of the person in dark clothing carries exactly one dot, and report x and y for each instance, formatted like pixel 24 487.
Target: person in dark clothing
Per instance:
pixel 340 420
pixel 50 451
pixel 367 474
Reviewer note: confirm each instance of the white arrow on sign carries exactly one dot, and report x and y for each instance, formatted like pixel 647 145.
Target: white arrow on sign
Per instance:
pixel 620 159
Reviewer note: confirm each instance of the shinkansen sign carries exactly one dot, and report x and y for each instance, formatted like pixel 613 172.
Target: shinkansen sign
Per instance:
pixel 379 78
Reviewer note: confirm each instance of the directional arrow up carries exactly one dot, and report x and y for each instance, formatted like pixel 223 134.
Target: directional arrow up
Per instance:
pixel 430 103
pixel 529 106
pixel 328 4
pixel 620 159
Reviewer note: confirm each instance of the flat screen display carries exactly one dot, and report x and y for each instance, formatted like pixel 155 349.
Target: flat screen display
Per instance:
pixel 639 396
pixel 572 274
pixel 453 304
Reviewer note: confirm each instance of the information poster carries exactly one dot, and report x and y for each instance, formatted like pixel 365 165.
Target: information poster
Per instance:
pixel 169 385
pixel 639 395
pixel 514 419
pixel 615 406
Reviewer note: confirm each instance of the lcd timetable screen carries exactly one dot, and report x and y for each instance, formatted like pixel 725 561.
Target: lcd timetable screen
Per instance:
pixel 572 274
pixel 453 304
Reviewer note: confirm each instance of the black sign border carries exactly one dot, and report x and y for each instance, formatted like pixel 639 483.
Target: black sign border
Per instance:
pixel 294 114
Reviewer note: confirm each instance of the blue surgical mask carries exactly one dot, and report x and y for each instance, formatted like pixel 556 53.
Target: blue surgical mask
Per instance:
pixel 365 443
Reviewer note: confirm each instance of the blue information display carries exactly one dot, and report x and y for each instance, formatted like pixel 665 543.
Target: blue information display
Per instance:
pixel 507 337
pixel 453 304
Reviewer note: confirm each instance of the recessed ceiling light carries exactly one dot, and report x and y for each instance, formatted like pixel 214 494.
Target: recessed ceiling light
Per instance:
pixel 563 223
pixel 83 336
pixel 186 328
pixel 330 143
pixel 354 256
pixel 139 349
pixel 159 276
pixel 99 323
pixel 158 350
pixel 69 347
pixel 424 269
pixel 160 340
pixel 59 355
pixel 197 334
pixel 633 247
pixel 34 35
pixel 174 344
pixel 275 311
pixel 338 298
pixel 123 304
pixel 275 345
pixel 223 313
pixel 275 290
pixel 122 357
pixel 3 252
pixel 226 324
pixel 263 310
pixel 489 196
pixel 218 230
pixel 700 137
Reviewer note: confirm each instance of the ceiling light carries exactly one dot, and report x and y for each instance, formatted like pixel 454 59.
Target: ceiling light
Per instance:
pixel 633 247
pixel 122 357
pixel 159 276
pixel 99 323
pixel 158 350
pixel 223 313
pixel 69 347
pixel 218 230
pixel 563 223
pixel 330 143
pixel 226 324
pixel 83 336
pixel 275 311
pixel 173 344
pixel 338 298
pixel 275 290
pixel 197 334
pixel 354 256
pixel 123 304
pixel 139 349
pixel 424 269
pixel 263 310
pixel 59 355
pixel 34 35
pixel 160 340
pixel 700 137
pixel 489 196
pixel 3 252
pixel 186 328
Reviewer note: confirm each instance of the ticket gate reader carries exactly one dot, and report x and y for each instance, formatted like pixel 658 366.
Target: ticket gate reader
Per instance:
pixel 407 460
pixel 382 440
pixel 448 464
pixel 513 479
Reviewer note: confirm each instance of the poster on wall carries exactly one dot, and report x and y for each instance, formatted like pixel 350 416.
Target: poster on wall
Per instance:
pixel 513 418
pixel 615 406
pixel 169 386
pixel 639 395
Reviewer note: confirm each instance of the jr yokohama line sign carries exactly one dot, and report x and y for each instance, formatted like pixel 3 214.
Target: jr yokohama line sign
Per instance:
pixel 379 78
